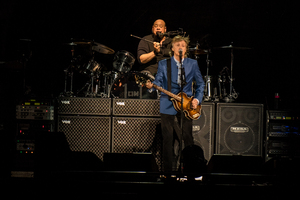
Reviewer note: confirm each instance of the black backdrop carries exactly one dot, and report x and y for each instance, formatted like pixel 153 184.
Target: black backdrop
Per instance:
pixel 267 27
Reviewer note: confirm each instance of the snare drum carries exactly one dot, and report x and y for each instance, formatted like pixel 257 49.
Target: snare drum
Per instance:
pixel 91 67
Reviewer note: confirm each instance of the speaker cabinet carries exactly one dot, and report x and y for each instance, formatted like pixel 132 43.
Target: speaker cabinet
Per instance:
pixel 86 133
pixel 239 129
pixel 203 130
pixel 84 106
pixel 133 134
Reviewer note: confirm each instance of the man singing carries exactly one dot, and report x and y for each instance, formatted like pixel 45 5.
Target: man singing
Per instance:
pixel 168 113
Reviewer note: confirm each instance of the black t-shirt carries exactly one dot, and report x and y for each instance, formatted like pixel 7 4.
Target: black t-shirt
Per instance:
pixel 146 47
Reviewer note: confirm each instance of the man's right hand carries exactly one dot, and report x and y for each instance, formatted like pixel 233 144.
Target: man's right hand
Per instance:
pixel 147 57
pixel 156 46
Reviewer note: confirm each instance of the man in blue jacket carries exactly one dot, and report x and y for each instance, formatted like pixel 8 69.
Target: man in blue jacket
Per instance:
pixel 167 110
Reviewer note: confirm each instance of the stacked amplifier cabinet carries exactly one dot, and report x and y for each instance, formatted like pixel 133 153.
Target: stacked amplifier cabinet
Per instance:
pixel 282 134
pixel 136 127
pixel 86 123
pixel 34 117
pixel 239 129
pixel 203 129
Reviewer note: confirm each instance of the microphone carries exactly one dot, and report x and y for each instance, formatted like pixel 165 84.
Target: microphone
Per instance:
pixel 180 52
pixel 170 33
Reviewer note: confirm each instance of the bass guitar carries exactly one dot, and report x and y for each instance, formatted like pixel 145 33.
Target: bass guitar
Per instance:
pixel 188 110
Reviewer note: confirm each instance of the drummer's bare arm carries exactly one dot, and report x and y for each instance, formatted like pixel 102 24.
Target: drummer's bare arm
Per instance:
pixel 149 56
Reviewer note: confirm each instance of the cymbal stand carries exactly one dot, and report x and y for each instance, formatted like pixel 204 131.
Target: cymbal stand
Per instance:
pixel 232 93
pixel 231 76
pixel 208 95
pixel 69 73
pixel 90 90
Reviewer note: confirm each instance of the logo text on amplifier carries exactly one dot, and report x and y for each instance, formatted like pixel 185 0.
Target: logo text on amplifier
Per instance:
pixel 239 129
pixel 65 102
pixel 121 122
pixel 121 103
pixel 66 121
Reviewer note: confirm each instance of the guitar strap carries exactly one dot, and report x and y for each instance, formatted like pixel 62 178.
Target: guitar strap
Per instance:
pixel 169 74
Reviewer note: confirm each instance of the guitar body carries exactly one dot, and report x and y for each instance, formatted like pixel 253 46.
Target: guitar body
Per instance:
pixel 189 112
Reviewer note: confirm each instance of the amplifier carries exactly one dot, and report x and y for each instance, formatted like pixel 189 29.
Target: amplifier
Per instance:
pixel 35 112
pixel 134 134
pixel 282 115
pixel 36 102
pixel 84 106
pixel 282 134
pixel 136 107
pixel 28 128
pixel 239 129
pixel 203 129
pixel 86 133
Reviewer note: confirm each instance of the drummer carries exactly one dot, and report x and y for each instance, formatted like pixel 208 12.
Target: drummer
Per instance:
pixel 149 54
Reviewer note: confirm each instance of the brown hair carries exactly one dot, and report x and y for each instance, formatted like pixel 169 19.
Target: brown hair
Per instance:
pixel 180 38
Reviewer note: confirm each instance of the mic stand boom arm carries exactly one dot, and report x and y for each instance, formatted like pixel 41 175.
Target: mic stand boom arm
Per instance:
pixel 142 39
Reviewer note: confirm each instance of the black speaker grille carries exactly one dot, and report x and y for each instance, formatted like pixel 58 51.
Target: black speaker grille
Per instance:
pixel 84 106
pixel 137 135
pixel 203 130
pixel 239 129
pixel 136 107
pixel 86 133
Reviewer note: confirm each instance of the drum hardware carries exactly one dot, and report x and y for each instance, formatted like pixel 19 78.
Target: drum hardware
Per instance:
pixel 232 93
pixel 125 86
pixel 211 90
pixel 100 48
pixel 123 61
pixel 196 51
pixel 109 79
pixel 85 64
pixel 69 71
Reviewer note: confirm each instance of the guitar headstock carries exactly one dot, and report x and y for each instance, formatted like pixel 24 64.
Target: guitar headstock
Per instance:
pixel 142 77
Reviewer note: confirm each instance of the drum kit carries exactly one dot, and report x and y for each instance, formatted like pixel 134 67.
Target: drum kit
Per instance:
pixel 107 83
pixel 218 88
pixel 99 81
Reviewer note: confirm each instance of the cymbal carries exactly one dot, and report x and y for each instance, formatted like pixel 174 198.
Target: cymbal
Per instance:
pixel 232 47
pixel 197 51
pixel 83 42
pixel 100 48
pixel 70 44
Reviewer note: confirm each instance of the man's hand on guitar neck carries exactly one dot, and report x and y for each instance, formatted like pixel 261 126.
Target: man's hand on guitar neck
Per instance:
pixel 149 84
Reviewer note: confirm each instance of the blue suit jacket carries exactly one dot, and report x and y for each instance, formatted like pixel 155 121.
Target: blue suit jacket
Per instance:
pixel 192 72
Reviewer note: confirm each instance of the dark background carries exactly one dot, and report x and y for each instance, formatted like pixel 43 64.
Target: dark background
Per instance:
pixel 268 27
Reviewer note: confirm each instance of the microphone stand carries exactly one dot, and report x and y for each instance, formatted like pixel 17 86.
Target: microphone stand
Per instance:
pixel 182 84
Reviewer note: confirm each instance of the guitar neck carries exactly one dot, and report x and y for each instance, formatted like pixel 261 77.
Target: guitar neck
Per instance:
pixel 167 92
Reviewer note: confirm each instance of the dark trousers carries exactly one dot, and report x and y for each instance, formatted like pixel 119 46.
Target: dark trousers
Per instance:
pixel 168 128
